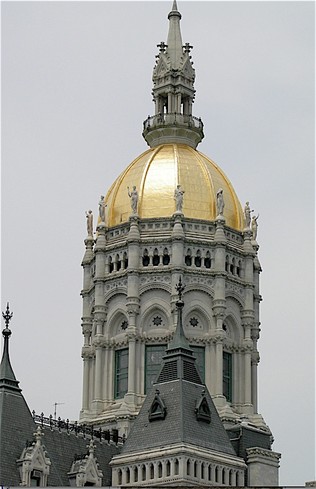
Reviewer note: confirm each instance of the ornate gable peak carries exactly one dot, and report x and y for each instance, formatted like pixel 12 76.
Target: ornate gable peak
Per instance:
pixel 34 461
pixel 202 409
pixel 85 469
pixel 162 67
pixel 158 408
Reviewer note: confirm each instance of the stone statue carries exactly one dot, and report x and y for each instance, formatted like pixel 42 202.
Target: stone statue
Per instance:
pixel 254 227
pixel 247 215
pixel 89 217
pixel 134 199
pixel 178 197
pixel 220 204
pixel 102 208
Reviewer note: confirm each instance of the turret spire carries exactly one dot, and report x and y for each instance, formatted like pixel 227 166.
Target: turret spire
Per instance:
pixel 174 41
pixel 173 91
pixel 7 377
pixel 179 361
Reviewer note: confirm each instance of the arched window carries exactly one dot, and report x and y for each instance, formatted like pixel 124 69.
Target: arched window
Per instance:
pixel 125 260
pixel 145 258
pixel 156 258
pixel 197 259
pixel 165 257
pixel 228 376
pixel 118 262
pixel 188 258
pixel 135 474
pixel 111 267
pixel 143 472
pixel 188 467
pixel 121 373
pixel 176 467
pixel 168 470
pixel 227 264
pixel 151 471
pixel 232 266
pixel 159 470
pixel 128 476
pixel 207 260
pixel 238 268
pixel 119 477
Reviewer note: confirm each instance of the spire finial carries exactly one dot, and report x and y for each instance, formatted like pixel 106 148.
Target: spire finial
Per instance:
pixel 174 6
pixel 7 316
pixel 7 377
pixel 180 288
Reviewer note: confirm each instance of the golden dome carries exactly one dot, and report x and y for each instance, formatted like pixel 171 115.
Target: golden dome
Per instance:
pixel 158 171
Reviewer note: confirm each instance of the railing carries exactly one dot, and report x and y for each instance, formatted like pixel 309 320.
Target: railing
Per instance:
pixel 176 119
pixel 110 436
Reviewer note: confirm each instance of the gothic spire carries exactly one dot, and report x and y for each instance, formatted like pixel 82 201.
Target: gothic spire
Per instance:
pixel 7 377
pixel 179 340
pixel 179 361
pixel 173 92
pixel 174 41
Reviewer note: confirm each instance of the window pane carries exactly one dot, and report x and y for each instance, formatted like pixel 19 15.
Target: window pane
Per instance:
pixel 153 362
pixel 121 373
pixel 227 376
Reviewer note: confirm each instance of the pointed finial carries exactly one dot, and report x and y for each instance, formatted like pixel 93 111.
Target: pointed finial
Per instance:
pixel 7 377
pixel 180 288
pixel 174 6
pixel 7 316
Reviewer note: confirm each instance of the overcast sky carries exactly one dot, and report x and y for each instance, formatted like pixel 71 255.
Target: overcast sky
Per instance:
pixel 76 86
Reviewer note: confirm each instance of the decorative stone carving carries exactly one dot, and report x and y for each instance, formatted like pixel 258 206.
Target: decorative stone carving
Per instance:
pixel 34 464
pixel 254 227
pixel 220 204
pixel 133 195
pixel 89 217
pixel 247 215
pixel 178 197
pixel 102 207
pixel 85 470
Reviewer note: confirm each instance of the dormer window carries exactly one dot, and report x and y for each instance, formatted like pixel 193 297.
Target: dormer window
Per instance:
pixel 157 409
pixel 34 463
pixel 85 469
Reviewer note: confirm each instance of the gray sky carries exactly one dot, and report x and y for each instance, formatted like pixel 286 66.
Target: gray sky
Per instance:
pixel 76 86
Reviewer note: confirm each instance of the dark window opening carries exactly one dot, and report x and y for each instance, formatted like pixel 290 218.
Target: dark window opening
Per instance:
pixel 156 258
pixel 121 373
pixel 227 376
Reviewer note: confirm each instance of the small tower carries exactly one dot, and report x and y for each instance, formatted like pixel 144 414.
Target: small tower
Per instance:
pixel 173 92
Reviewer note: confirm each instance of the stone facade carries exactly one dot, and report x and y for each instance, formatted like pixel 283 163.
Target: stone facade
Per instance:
pixel 129 293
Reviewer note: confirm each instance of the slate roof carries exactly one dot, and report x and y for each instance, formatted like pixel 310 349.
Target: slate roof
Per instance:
pixel 180 423
pixel 17 427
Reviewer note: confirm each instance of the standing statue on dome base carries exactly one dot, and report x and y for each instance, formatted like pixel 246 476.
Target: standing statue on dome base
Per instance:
pixel 220 204
pixel 102 209
pixel 178 197
pixel 247 215
pixel 254 227
pixel 89 217
pixel 134 199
